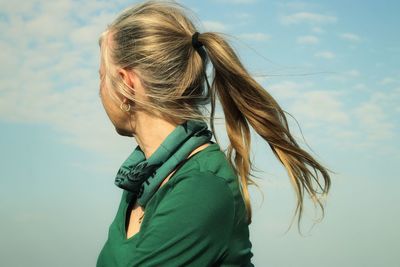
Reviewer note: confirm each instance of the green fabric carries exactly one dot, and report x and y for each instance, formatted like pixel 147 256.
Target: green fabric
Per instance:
pixel 195 219
pixel 142 176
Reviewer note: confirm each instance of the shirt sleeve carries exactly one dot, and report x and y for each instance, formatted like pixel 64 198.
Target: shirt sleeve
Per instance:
pixel 191 226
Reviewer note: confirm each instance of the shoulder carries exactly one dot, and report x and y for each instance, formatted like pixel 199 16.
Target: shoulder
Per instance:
pixel 202 182
pixel 205 192
pixel 198 204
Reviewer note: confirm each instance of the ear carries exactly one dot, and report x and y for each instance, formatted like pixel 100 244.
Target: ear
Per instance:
pixel 127 77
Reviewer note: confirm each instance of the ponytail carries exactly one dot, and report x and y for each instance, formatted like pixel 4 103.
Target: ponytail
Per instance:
pixel 244 102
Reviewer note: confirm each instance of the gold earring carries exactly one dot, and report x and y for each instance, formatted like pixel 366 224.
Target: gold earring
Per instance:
pixel 122 107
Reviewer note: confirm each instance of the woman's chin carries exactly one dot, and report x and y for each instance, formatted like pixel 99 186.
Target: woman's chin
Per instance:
pixel 123 132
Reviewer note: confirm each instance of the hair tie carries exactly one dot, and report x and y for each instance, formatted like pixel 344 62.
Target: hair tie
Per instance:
pixel 197 46
pixel 195 42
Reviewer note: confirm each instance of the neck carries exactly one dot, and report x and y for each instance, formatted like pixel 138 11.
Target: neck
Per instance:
pixel 151 131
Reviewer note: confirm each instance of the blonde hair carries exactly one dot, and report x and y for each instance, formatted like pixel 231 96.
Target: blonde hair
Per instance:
pixel 154 39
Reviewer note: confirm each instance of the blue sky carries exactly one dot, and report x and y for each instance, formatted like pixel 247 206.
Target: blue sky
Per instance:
pixel 333 65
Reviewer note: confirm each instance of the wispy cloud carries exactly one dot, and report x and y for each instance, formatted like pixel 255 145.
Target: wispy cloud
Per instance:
pixel 322 107
pixel 350 37
pixel 56 57
pixel 388 80
pixel 374 121
pixel 360 87
pixel 213 25
pixel 317 30
pixel 353 73
pixel 325 54
pixel 307 17
pixel 256 36
pixel 359 125
pixel 307 40
pixel 317 108
pixel 288 89
pixel 315 105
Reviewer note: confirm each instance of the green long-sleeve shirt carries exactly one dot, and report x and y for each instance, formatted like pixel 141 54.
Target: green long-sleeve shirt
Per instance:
pixel 197 218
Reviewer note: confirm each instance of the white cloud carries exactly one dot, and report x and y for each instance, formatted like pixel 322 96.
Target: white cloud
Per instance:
pixel 256 36
pixel 317 29
pixel 212 25
pixel 318 105
pixel 374 121
pixel 322 107
pixel 336 115
pixel 307 39
pixel 388 80
pixel 365 123
pixel 350 37
pixel 325 54
pixel 52 70
pixel 360 87
pixel 286 89
pixel 85 34
pixel 302 17
pixel 353 73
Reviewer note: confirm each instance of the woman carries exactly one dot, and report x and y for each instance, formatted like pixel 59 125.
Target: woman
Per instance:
pixel 184 202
